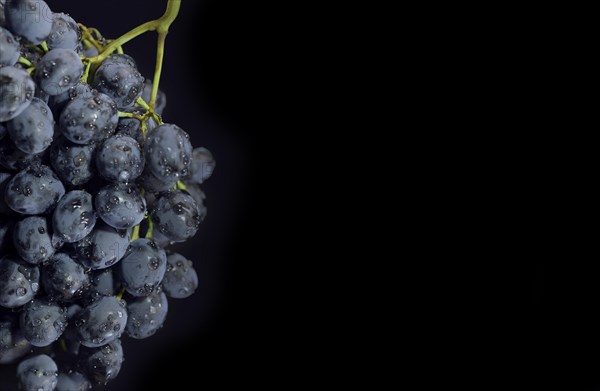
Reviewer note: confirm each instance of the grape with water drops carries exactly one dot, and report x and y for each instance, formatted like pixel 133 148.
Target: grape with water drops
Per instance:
pixel 95 188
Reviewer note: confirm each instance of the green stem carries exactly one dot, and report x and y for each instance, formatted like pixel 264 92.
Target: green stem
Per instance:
pixel 120 294
pixel 160 54
pixel 150 232
pixel 25 61
pixel 44 46
pixel 136 233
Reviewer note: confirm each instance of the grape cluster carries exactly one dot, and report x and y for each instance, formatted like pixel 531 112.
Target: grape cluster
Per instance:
pixel 94 188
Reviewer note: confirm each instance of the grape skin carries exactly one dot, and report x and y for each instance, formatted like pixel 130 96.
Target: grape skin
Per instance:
pixel 89 118
pixel 101 322
pixel 73 163
pixel 120 206
pixel 142 268
pixel 32 239
pixel 19 282
pixel 33 129
pixel 146 315
pixel 33 191
pixel 9 55
pixel 17 89
pixel 74 217
pixel 120 159
pixel 65 34
pixel 102 364
pixel 43 322
pixel 58 70
pixel 38 373
pixel 176 215
pixel 64 279
pixel 103 247
pixel 13 344
pixel 119 80
pixel 31 19
pixel 180 279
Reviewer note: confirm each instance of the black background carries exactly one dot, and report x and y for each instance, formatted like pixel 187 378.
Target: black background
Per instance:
pixel 219 74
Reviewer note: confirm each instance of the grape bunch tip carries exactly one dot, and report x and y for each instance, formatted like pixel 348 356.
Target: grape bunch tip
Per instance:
pixel 94 189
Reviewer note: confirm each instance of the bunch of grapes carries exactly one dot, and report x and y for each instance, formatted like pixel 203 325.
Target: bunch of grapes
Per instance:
pixel 94 188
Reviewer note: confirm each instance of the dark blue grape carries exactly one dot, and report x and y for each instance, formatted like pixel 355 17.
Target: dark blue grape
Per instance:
pixel 119 80
pixel 43 322
pixel 32 239
pixel 202 166
pixel 102 364
pixel 13 344
pixel 151 184
pixel 64 279
pixel 58 70
pixel 72 381
pixel 180 279
pixel 37 373
pixel 143 267
pixel 12 158
pixel 120 206
pixel 9 55
pixel 161 97
pixel 176 215
pixel 58 102
pixel 88 52
pixel 65 33
pixel 120 58
pixel 89 118
pixel 73 163
pixel 146 315
pixel 17 89
pixel 74 217
pixel 19 282
pixel 120 159
pixel 168 152
pixel 32 130
pixel 102 248
pixel 35 190
pixel 31 19
pixel 101 322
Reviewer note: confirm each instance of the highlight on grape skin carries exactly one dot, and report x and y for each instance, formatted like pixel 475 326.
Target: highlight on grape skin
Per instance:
pixel 95 188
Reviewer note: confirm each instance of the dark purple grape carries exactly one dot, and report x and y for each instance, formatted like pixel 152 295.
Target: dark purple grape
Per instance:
pixel 43 322
pixel 72 381
pixel 89 118
pixel 37 373
pixel 120 159
pixel 65 33
pixel 31 19
pixel 9 55
pixel 35 190
pixel 13 159
pixel 180 279
pixel 33 129
pixel 119 80
pixel 19 282
pixel 146 315
pixel 102 248
pixel 102 364
pixel 64 279
pixel 201 167
pixel 74 217
pixel 58 70
pixel 176 215
pixel 17 89
pixel 32 239
pixel 168 152
pixel 73 163
pixel 101 322
pixel 13 344
pixel 120 206
pixel 143 267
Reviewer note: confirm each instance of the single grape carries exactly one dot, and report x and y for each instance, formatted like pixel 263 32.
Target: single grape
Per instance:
pixel 74 217
pixel 146 315
pixel 176 215
pixel 16 92
pixel 73 163
pixel 168 152
pixel 32 239
pixel 202 166
pixel 161 97
pixel 143 267
pixel 32 130
pixel 180 279
pixel 13 159
pixel 89 118
pixel 19 282
pixel 37 373
pixel 120 159
pixel 31 19
pixel 72 381
pixel 102 248
pixel 9 55
pixel 102 364
pixel 65 33
pixel 58 70
pixel 119 80
pixel 43 322
pixel 120 206
pixel 13 344
pixel 35 190
pixel 64 279
pixel 58 102
pixel 101 322
pixel 151 184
